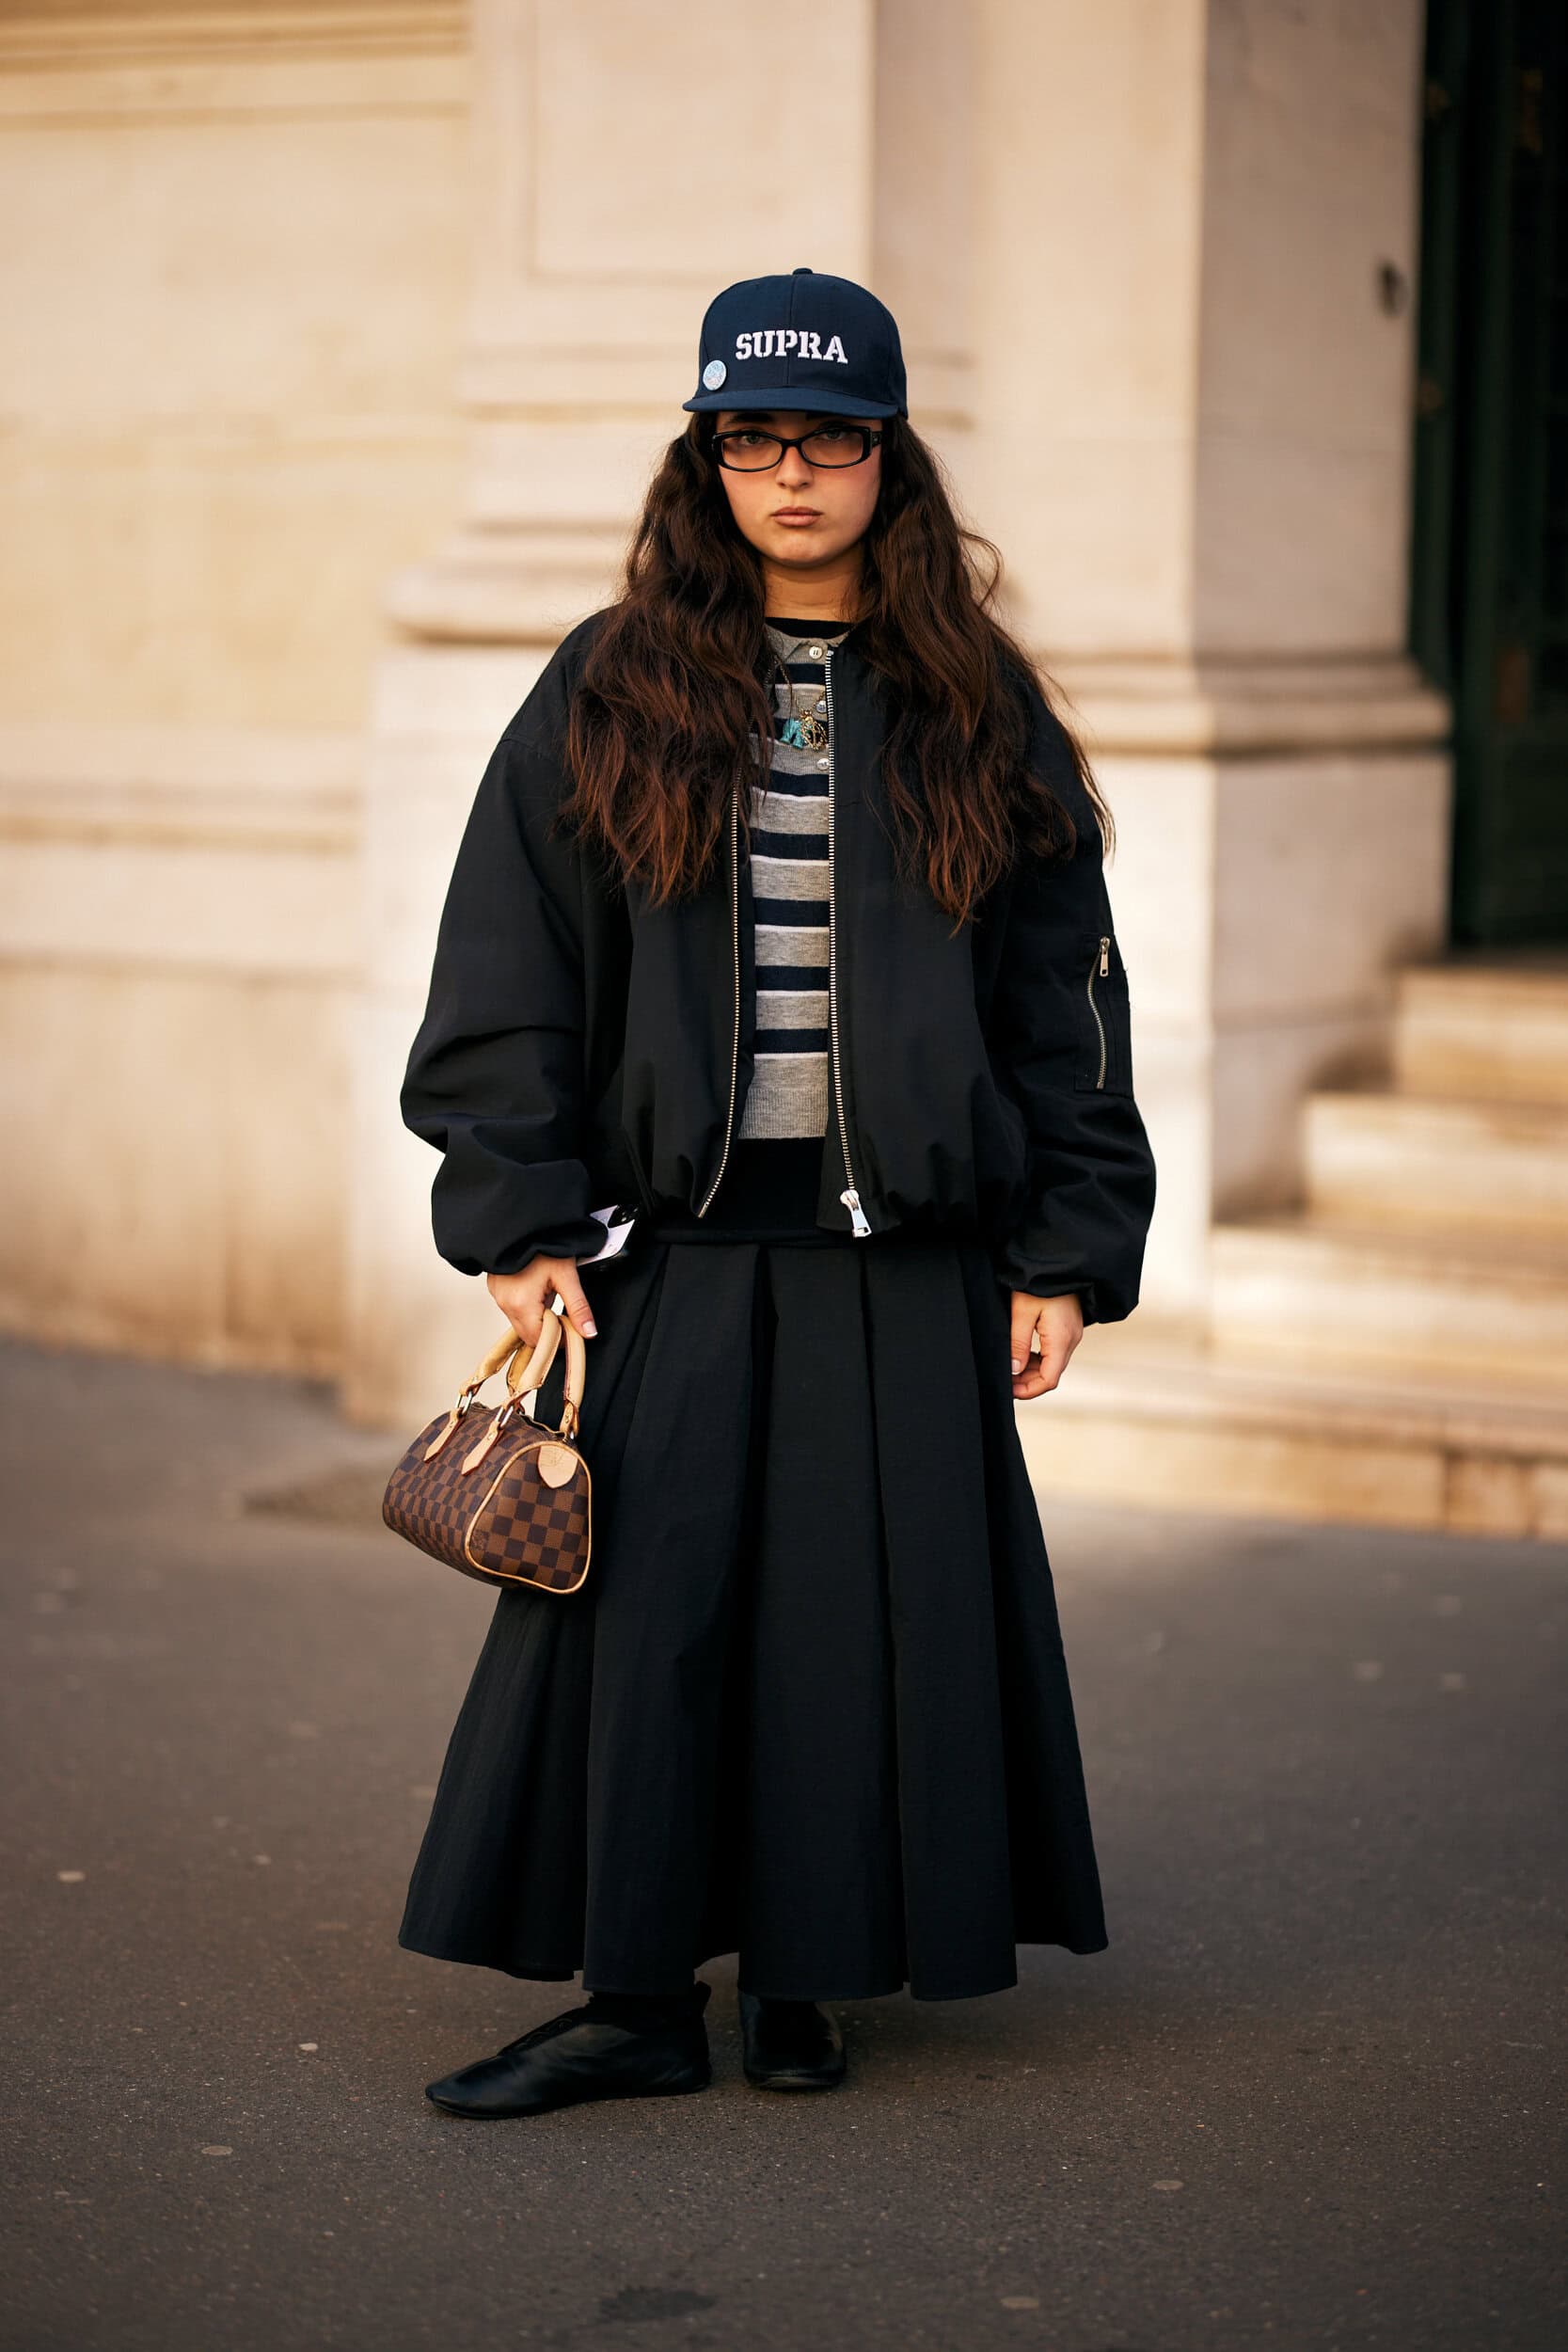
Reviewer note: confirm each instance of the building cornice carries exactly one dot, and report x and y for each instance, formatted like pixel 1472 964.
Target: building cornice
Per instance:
pixel 95 39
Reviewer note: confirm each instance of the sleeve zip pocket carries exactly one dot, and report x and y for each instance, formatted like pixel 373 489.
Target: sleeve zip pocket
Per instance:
pixel 1100 969
pixel 1106 1066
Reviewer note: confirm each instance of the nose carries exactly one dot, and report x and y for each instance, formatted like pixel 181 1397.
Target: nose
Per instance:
pixel 792 472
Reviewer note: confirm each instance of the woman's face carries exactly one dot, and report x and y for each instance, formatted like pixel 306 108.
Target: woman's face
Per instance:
pixel 794 512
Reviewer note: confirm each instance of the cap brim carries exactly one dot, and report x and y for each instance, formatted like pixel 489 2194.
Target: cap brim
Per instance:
pixel 813 399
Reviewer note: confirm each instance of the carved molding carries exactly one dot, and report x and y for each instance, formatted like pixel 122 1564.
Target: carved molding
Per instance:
pixel 148 787
pixel 1233 708
pixel 88 38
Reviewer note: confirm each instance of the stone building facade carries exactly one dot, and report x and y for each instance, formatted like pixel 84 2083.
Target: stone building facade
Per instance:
pixel 338 350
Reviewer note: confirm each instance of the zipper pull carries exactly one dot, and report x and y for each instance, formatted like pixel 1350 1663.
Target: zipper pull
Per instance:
pixel 851 1200
pixel 1105 957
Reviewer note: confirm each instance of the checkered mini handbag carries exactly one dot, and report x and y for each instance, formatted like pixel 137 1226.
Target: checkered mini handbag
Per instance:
pixel 491 1492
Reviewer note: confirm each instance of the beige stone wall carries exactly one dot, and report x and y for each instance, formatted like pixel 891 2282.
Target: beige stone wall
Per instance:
pixel 335 355
pixel 231 304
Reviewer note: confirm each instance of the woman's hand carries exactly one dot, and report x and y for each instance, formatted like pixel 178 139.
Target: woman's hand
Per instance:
pixel 524 1298
pixel 1060 1324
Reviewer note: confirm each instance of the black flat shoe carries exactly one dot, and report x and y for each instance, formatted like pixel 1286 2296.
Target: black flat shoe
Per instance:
pixel 579 2055
pixel 789 2046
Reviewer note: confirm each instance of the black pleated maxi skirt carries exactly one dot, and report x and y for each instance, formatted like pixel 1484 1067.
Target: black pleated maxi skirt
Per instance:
pixel 811 1706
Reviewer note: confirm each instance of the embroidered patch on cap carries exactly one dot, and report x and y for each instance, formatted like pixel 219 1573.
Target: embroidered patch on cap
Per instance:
pixel 713 374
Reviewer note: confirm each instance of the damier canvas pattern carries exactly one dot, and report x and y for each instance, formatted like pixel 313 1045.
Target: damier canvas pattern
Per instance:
pixel 523 1531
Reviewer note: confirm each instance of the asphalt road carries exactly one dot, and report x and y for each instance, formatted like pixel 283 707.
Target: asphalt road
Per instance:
pixel 1312 2096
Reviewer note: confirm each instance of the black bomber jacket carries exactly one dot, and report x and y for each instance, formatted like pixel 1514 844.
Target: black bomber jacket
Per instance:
pixel 582 1046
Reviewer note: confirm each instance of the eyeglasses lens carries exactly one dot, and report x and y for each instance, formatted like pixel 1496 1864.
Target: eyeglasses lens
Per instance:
pixel 831 445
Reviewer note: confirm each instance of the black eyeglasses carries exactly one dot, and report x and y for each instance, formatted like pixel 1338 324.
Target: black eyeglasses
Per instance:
pixel 748 451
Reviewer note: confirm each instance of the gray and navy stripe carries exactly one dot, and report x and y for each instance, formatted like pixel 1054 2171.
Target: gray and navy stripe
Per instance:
pixel 788 1095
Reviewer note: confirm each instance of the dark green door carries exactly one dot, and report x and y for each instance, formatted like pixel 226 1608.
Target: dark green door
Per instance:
pixel 1489 591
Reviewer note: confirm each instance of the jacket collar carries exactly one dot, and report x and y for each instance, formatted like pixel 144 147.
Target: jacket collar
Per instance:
pixel 792 638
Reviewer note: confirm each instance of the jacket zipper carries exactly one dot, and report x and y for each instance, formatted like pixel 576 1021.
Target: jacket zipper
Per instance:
pixel 850 1195
pixel 1101 967
pixel 735 954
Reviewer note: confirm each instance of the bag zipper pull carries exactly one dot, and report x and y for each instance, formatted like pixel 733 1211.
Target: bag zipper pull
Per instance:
pixel 1105 958
pixel 851 1200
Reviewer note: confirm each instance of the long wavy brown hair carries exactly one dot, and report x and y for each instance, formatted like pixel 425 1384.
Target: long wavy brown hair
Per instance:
pixel 678 673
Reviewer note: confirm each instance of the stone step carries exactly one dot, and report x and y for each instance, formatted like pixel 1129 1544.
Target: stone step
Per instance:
pixel 1495 1031
pixel 1174 1428
pixel 1403 1159
pixel 1445 1301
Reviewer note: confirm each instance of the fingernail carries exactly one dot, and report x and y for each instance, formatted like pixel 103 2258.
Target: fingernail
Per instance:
pixel 592 1329
pixel 1018 1363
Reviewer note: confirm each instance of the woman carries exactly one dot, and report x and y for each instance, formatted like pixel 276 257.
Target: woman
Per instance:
pixel 780 913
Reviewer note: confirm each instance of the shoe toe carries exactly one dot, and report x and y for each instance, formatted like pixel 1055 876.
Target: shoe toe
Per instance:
pixel 799 2047
pixel 467 2092
pixel 793 2079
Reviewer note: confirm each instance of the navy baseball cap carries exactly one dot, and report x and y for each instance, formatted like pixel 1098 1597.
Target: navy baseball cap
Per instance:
pixel 802 341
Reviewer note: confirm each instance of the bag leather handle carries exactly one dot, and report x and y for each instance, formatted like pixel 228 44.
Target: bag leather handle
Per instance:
pixel 527 1367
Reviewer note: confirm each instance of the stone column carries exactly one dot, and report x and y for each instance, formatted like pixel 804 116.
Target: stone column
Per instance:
pixel 1194 261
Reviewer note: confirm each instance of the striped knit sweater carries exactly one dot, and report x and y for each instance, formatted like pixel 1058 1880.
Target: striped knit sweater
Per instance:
pixel 788 1094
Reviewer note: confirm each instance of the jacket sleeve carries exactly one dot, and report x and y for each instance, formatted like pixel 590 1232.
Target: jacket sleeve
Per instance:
pixel 495 1078
pixel 1060 1043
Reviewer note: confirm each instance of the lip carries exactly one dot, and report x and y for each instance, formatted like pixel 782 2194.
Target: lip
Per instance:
pixel 797 514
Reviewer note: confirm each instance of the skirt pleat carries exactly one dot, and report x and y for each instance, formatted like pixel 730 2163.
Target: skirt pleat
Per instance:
pixel 952 1798
pixel 821 1868
pixel 812 1704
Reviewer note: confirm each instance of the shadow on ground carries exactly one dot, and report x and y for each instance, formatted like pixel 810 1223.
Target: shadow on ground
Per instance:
pixel 1311 2096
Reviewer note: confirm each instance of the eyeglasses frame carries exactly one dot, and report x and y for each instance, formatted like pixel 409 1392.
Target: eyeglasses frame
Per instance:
pixel 871 436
